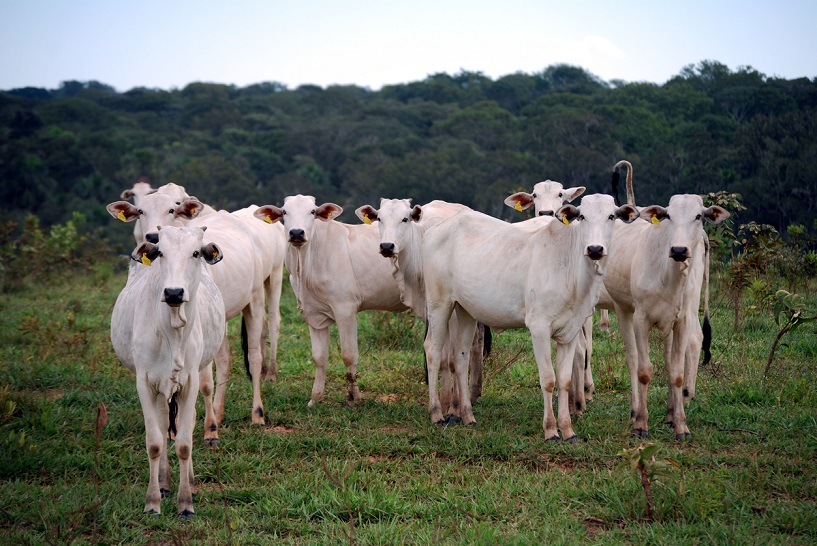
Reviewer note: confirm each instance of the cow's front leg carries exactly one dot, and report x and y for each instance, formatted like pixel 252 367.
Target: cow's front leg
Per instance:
pixel 675 373
pixel 625 326
pixel 155 413
pixel 433 345
pixel 589 384
pixel 547 381
pixel 565 354
pixel 577 401
pixel 184 445
pixel 466 328
pixel 320 356
pixel 253 323
pixel 641 330
pixel 347 333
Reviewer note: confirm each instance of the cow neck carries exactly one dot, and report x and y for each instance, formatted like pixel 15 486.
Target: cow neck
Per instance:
pixel 672 275
pixel 175 325
pixel 589 274
pixel 409 271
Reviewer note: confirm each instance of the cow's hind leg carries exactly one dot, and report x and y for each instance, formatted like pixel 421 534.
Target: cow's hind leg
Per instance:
pixel 222 377
pixel 207 391
pixel 253 316
pixel 347 333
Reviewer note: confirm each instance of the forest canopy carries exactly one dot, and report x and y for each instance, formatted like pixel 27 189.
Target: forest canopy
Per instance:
pixel 461 137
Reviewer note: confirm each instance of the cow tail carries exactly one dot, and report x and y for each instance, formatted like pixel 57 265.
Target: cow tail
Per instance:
pixel 707 327
pixel 425 359
pixel 173 412
pixel 629 184
pixel 245 347
pixel 616 178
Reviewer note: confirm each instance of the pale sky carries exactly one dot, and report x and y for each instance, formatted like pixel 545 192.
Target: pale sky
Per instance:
pixel 168 44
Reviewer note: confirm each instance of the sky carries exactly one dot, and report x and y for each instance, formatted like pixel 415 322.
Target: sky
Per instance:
pixel 167 44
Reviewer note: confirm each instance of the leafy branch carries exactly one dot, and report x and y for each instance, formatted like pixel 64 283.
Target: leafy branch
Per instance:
pixel 790 313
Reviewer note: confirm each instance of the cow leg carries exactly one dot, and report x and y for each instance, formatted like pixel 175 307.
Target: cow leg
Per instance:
pixel 675 373
pixel 475 364
pixel 207 387
pixel 448 394
pixel 576 401
pixel 184 445
pixel 433 344
pixel 274 283
pixel 320 356
pixel 589 385
pixel 547 381
pixel 466 327
pixel 222 376
pixel 155 413
pixel 347 333
pixel 604 321
pixel 625 326
pixel 641 331
pixel 565 355
pixel 253 316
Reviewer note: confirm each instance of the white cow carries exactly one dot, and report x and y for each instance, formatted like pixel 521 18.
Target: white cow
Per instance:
pixel 654 279
pixel 546 198
pixel 141 188
pixel 166 327
pixel 251 274
pixel 545 277
pixel 401 228
pixel 335 272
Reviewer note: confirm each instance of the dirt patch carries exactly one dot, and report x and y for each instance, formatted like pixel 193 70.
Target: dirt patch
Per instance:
pixel 280 429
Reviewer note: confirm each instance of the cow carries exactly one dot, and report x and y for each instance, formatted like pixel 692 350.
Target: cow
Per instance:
pixel 141 188
pixel 544 275
pixel 251 274
pixel 546 198
pixel 401 228
pixel 166 327
pixel 335 272
pixel 654 278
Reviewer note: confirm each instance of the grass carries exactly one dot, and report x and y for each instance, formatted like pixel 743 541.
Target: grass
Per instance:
pixel 380 473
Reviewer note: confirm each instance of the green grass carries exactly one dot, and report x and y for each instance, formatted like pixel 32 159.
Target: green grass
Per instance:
pixel 380 473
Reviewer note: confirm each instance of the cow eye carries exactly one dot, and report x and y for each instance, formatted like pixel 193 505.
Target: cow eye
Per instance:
pixel 140 211
pixel 312 212
pixel 698 217
pixel 405 219
pixel 560 194
pixel 178 202
pixel 195 253
pixel 171 211
pixel 611 217
pixel 533 195
pixel 581 216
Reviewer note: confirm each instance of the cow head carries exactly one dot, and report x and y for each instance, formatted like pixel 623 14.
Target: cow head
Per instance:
pixel 298 216
pixel 595 217
pixel 140 189
pixel 394 221
pixel 547 197
pixel 154 210
pixel 682 223
pixel 179 256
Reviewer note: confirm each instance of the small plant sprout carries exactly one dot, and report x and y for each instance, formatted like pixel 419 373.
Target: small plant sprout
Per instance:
pixel 790 313
pixel 642 460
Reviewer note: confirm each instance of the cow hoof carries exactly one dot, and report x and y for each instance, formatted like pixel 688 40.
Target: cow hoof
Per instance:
pixel 685 437
pixel 472 424
pixel 186 514
pixel 165 493
pixel 640 433
pixel 453 419
pixel 441 423
pixel 670 424
pixel 572 440
pixel 211 442
pixel 152 512
pixel 554 438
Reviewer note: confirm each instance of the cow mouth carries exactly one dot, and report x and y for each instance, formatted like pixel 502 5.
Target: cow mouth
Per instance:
pixel 388 253
pixel 595 255
pixel 297 243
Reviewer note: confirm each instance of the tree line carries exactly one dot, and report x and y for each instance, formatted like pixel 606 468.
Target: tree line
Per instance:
pixel 463 137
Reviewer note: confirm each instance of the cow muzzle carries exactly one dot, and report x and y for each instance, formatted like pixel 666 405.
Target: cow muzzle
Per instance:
pixel 152 238
pixel 595 252
pixel 546 213
pixel 387 250
pixel 297 237
pixel 679 253
pixel 174 297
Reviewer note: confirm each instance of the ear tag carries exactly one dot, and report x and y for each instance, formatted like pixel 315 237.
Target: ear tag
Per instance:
pixel 267 219
pixel 121 216
pixel 215 254
pixel 193 211
pixel 518 206
pixel 366 219
pixel 145 259
pixel 329 216
pixel 565 220
pixel 655 219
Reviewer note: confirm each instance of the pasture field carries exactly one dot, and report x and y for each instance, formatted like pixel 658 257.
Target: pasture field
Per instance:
pixel 381 473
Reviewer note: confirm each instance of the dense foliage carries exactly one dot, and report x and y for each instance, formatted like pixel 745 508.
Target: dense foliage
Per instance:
pixel 462 137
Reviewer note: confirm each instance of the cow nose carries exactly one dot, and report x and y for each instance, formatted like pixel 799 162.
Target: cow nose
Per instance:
pixel 296 235
pixel 678 253
pixel 387 249
pixel 174 296
pixel 546 213
pixel 152 238
pixel 595 252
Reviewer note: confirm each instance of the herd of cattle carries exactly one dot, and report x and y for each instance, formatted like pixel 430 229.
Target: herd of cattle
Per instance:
pixel 460 270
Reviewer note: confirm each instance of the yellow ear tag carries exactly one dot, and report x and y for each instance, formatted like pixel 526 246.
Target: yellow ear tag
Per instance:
pixel 121 216
pixel 267 219
pixel 366 219
pixel 655 219
pixel 565 220
pixel 192 211
pixel 215 254
pixel 145 259
pixel 329 216
pixel 518 206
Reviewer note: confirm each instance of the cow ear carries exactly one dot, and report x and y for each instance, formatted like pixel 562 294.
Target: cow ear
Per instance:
pixel 127 194
pixel 367 214
pixel 654 214
pixel 416 213
pixel 145 253
pixel 211 253
pixel 268 213
pixel 627 213
pixel 327 211
pixel 122 210
pixel 519 201
pixel 715 214
pixel 189 208
pixel 572 193
pixel 567 214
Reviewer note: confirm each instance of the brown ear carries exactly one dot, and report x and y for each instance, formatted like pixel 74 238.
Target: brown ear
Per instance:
pixel 189 208
pixel 145 253
pixel 416 213
pixel 519 201
pixel 328 211
pixel 122 210
pixel 268 213
pixel 572 193
pixel 627 213
pixel 211 253
pixel 567 213
pixel 367 214
pixel 716 214
pixel 655 214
